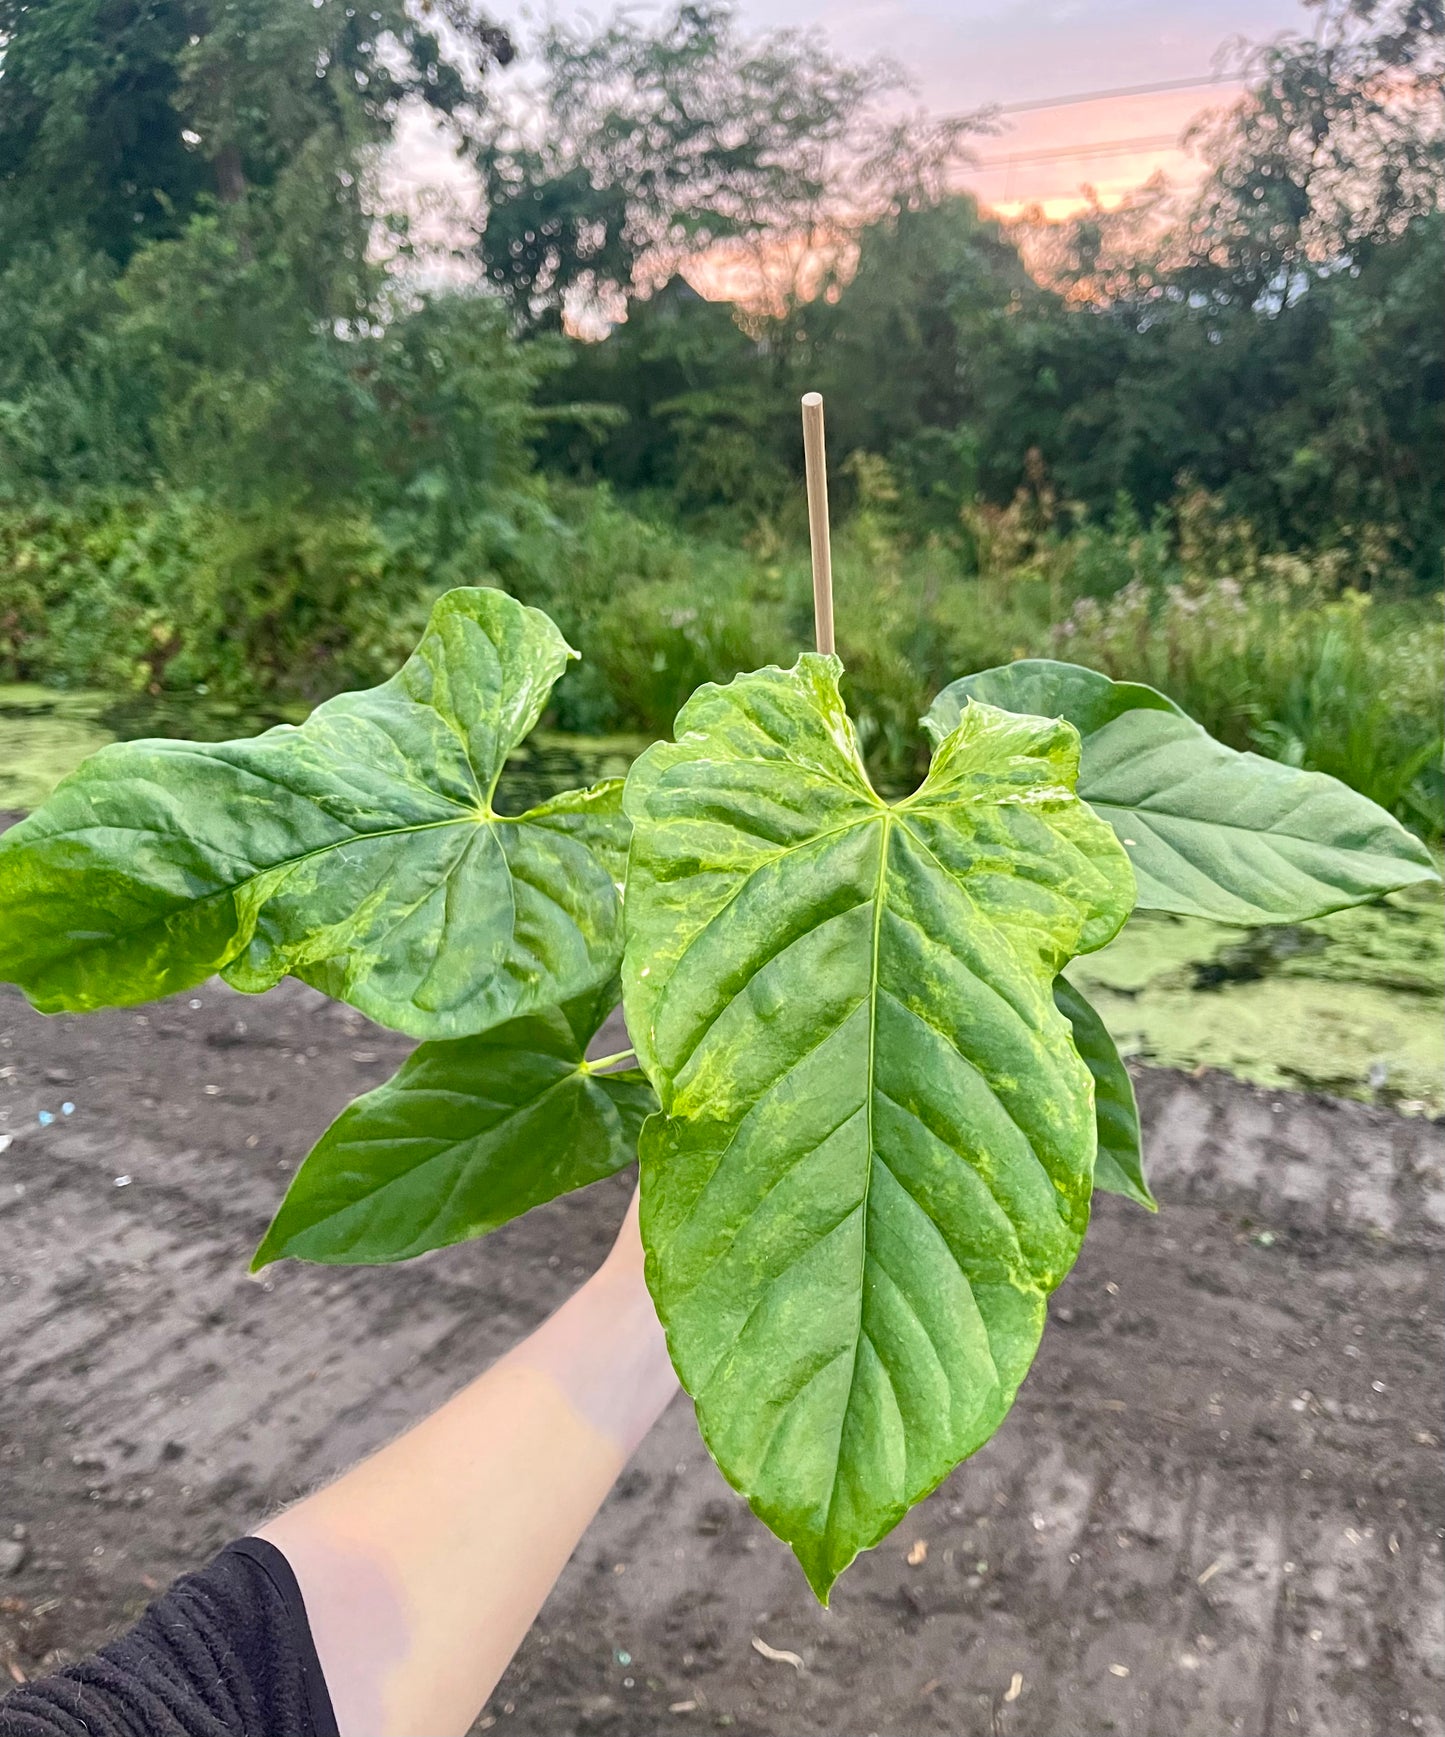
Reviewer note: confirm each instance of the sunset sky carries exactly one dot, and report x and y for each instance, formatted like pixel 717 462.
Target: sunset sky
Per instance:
pixel 965 54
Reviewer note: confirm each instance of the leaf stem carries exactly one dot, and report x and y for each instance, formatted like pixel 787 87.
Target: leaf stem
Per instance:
pixel 607 1061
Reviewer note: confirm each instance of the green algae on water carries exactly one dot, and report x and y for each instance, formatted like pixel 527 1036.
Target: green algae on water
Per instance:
pixel 1351 1004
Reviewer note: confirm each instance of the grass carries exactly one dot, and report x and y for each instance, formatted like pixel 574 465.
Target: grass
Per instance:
pixel 1279 654
pixel 1287 660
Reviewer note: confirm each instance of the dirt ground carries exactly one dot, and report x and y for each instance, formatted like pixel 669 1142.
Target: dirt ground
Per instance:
pixel 1217 1507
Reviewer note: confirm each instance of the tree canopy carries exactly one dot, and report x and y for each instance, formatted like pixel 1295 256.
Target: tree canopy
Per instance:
pixel 119 117
pixel 645 145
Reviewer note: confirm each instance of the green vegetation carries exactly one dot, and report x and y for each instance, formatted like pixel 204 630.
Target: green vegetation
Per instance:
pixel 251 433
pixel 1350 1004
pixel 250 428
pixel 869 1110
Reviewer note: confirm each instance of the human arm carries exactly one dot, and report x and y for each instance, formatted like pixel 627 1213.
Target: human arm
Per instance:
pixel 416 1573
pixel 423 1567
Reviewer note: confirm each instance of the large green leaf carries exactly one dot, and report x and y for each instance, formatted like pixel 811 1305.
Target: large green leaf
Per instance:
pixel 471 1132
pixel 1119 1161
pixel 878 1146
pixel 1211 832
pixel 360 852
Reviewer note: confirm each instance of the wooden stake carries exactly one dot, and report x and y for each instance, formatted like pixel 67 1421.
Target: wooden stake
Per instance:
pixel 816 462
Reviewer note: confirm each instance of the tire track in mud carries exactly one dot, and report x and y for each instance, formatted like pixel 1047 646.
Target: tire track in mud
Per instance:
pixel 1215 1509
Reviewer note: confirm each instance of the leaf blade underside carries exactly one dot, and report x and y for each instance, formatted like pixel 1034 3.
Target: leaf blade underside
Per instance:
pixel 359 852
pixel 878 1145
pixel 1119 1161
pixel 1211 832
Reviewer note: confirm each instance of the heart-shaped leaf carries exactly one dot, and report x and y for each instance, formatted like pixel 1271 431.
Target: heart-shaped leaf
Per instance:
pixel 1211 832
pixel 360 852
pixel 1119 1162
pixel 471 1132
pixel 878 1146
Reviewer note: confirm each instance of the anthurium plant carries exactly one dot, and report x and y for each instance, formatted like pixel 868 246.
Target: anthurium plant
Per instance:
pixel 870 1110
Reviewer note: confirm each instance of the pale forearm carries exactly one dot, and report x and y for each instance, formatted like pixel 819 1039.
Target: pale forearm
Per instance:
pixel 424 1566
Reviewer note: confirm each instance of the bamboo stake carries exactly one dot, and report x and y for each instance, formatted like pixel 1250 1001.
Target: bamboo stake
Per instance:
pixel 816 463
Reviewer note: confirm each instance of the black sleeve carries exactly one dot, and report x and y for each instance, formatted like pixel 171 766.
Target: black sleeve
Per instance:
pixel 226 1652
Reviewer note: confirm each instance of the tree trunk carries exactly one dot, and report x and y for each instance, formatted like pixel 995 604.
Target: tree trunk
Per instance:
pixel 230 176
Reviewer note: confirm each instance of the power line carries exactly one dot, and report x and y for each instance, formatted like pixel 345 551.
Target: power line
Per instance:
pixel 1104 148
pixel 1123 90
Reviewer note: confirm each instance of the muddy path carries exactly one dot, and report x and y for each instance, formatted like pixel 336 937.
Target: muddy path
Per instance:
pixel 1217 1507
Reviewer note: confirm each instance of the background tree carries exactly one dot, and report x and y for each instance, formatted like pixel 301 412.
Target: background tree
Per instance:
pixel 646 145
pixel 118 116
pixel 245 432
pixel 1336 148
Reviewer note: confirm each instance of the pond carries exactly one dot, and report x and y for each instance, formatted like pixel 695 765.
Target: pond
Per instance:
pixel 44 734
pixel 1351 1005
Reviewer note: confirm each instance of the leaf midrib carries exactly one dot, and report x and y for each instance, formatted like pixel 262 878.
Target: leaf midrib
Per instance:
pixel 885 816
pixel 859 1335
pixel 1101 803
pixel 284 866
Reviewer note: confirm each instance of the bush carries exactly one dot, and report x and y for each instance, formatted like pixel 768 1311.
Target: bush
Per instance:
pixel 159 593
pixel 149 594
pixel 1345 684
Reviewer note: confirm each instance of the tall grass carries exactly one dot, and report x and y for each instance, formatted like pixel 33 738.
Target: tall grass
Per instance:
pixel 1346 684
pixel 1277 654
pixel 1272 654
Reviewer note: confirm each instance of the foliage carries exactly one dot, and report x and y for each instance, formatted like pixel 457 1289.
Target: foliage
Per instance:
pixel 244 443
pixel 682 365
pixel 1276 340
pixel 469 1133
pixel 875 1155
pixel 252 457
pixel 360 852
pixel 1210 832
pixel 1279 660
pixel 1337 146
pixel 1119 1158
pixel 119 122
pixel 164 595
pixel 1339 682
pixel 649 144
pixel 882 1112
pixel 157 595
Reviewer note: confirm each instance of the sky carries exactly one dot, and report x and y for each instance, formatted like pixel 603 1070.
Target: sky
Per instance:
pixel 962 55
